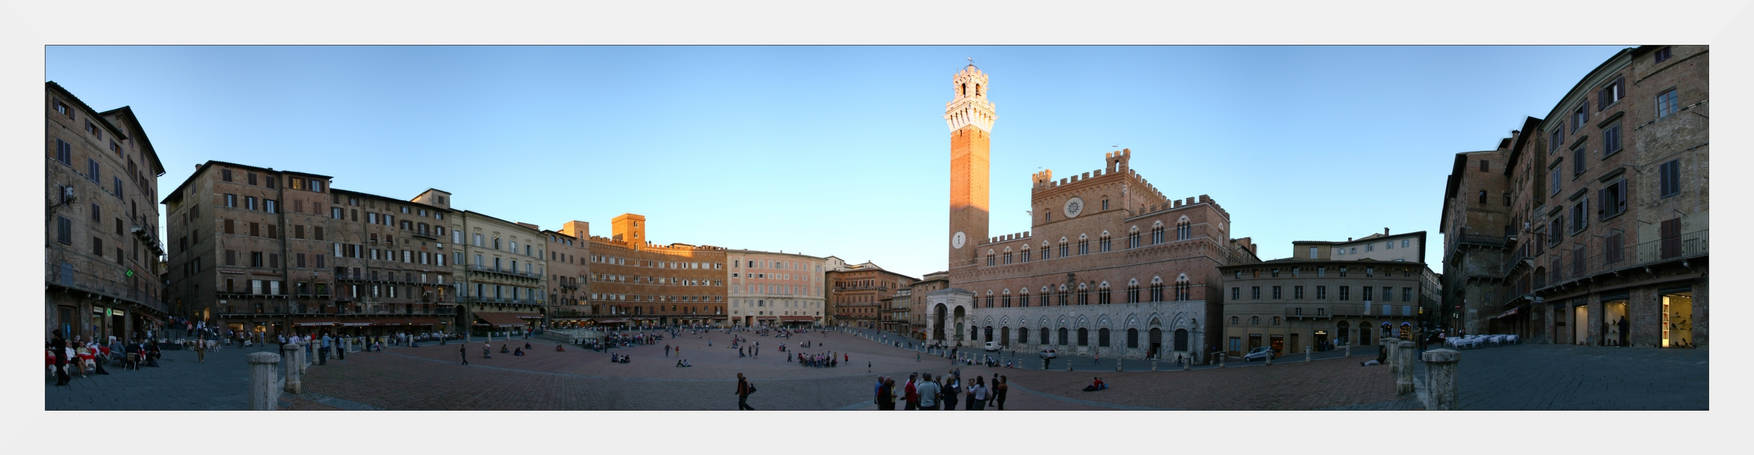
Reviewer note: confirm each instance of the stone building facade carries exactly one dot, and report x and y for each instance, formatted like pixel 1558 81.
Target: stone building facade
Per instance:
pixel 569 268
pixel 775 288
pixel 504 274
pixel 1605 240
pixel 285 252
pixel 1108 260
pixel 638 283
pixel 101 252
pixel 916 303
pixel 1319 303
pixel 856 294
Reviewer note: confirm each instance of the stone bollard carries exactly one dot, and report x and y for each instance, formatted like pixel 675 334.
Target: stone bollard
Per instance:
pixel 1306 354
pixel 1440 378
pixel 304 359
pixel 1221 358
pixel 263 397
pixel 1404 367
pixel 1187 364
pixel 1153 364
pixel 1392 360
pixel 1348 351
pixel 288 355
pixel 1117 365
pixel 1270 356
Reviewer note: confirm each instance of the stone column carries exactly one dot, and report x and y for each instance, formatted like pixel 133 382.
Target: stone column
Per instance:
pixel 1306 354
pixel 1440 378
pixel 304 359
pixel 1404 351
pixel 289 355
pixel 263 396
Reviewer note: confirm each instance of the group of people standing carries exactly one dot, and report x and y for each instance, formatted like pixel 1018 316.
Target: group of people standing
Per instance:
pixel 922 392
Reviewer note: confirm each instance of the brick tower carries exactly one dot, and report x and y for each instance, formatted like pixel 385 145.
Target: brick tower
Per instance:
pixel 970 117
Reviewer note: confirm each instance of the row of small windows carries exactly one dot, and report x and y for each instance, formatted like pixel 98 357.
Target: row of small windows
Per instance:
pixel 1321 293
pixel 272 181
pixel 1183 290
pixel 1183 229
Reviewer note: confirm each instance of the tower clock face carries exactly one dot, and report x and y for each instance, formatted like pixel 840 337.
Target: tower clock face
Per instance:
pixel 957 240
pixel 1074 206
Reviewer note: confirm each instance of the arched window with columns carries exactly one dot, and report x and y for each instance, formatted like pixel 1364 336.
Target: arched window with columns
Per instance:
pixel 1184 229
pixel 1156 232
pixel 1083 294
pixel 1133 237
pixel 1023 297
pixel 1133 290
pixel 1102 294
pixel 1102 242
pixel 1183 288
pixel 1156 289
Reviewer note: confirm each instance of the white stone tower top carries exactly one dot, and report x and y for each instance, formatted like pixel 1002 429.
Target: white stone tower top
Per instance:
pixel 970 107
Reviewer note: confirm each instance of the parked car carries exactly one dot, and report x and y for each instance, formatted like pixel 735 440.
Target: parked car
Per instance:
pixel 1049 353
pixel 1260 353
pixel 992 346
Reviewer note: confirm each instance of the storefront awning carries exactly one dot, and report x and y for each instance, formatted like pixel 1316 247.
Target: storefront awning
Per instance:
pixel 1508 313
pixel 314 323
pixel 797 318
pixel 500 319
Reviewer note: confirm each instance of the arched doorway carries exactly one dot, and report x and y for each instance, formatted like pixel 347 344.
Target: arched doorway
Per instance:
pixel 1045 339
pixel 938 316
pixel 1181 340
pixel 1155 338
pixel 1132 338
pixel 960 314
pixel 1341 334
pixel 1005 336
pixel 1364 333
pixel 987 333
pixel 1063 336
pixel 1083 336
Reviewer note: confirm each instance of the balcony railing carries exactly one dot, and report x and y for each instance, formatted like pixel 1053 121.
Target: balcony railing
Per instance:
pixel 1571 267
pixel 113 284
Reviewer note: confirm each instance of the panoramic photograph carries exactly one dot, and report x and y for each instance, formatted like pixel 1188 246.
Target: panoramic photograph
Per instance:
pixel 866 228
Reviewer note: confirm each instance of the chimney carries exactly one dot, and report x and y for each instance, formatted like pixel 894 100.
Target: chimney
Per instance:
pixel 1348 239
pixel 1385 231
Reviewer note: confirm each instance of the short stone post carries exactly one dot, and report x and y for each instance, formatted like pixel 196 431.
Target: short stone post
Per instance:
pixel 304 358
pixel 1404 367
pixel 1348 351
pixel 1393 360
pixel 1187 364
pixel 263 396
pixel 1440 378
pixel 1117 365
pixel 289 355
pixel 1270 355
pixel 1221 357
pixel 1306 354
pixel 1153 364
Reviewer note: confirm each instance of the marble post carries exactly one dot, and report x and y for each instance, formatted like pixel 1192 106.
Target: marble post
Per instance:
pixel 1221 357
pixel 263 396
pixel 289 355
pixel 1117 365
pixel 1404 367
pixel 1270 355
pixel 1440 378
pixel 1306 354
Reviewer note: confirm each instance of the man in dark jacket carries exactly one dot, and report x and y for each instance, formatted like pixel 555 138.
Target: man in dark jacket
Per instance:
pixel 743 391
pixel 58 346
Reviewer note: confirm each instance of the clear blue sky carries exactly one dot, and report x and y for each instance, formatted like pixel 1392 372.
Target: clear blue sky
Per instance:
pixel 839 150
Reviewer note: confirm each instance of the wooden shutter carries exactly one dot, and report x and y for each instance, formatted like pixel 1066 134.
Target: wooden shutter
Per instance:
pixel 1671 234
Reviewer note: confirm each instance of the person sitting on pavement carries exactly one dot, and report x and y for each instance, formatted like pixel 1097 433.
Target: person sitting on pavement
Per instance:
pixel 1095 385
pixel 519 352
pixel 557 348
pixel 504 348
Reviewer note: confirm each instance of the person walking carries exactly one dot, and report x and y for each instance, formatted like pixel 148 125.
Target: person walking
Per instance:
pixel 977 395
pixel 928 392
pixel 58 346
pixel 1000 386
pixel 201 349
pixel 744 388
pixel 911 394
pixel 323 354
pixel 951 388
pixel 886 395
pixel 463 351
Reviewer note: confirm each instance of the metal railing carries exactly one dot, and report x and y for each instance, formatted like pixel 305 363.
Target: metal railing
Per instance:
pixel 1572 267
